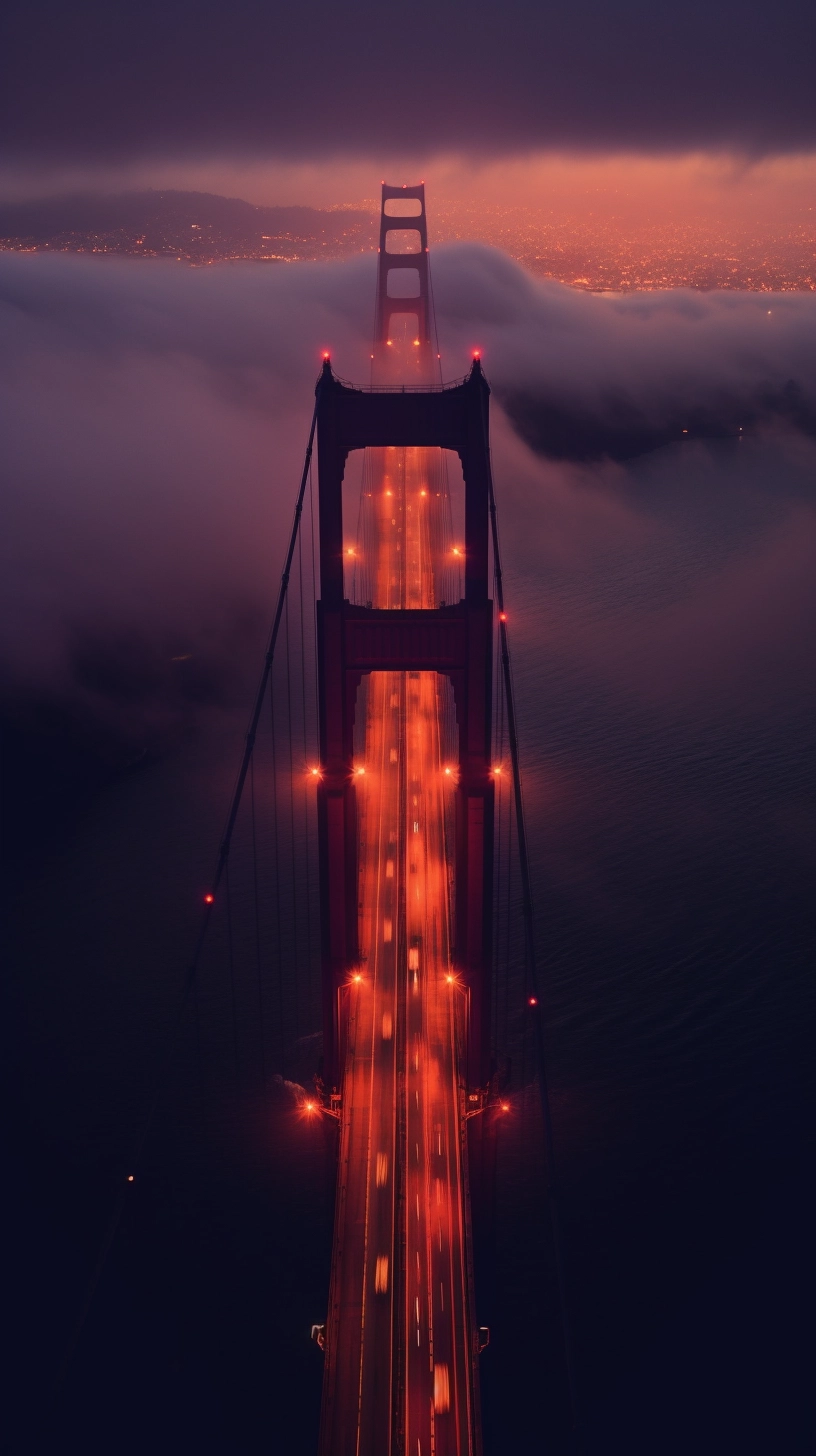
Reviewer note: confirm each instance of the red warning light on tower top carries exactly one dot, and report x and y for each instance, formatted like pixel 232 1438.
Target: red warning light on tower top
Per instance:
pixel 477 353
pixel 209 899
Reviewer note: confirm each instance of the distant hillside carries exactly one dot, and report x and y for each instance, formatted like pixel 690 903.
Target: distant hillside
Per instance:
pixel 198 226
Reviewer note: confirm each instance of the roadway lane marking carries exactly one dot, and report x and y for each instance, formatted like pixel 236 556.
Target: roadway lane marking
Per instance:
pixel 388 930
pixel 382 1169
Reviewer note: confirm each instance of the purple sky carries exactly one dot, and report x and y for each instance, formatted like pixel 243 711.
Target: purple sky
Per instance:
pixel 93 82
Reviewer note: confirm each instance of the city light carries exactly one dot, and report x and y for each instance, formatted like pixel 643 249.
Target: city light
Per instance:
pixel 502 616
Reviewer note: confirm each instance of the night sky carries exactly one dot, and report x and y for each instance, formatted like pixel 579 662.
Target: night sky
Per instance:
pixel 655 459
pixel 95 81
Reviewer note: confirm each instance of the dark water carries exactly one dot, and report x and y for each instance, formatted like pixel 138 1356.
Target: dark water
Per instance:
pixel 662 630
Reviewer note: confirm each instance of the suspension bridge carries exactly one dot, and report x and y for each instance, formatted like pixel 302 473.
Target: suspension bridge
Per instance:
pixel 380 777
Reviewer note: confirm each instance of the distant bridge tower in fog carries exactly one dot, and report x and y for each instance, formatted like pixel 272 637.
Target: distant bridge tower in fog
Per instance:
pixel 404 308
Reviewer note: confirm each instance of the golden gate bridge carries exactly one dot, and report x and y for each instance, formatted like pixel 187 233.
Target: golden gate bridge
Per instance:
pixel 399 928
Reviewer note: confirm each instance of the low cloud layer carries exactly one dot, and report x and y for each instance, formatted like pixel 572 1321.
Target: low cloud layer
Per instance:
pixel 155 418
pixel 587 376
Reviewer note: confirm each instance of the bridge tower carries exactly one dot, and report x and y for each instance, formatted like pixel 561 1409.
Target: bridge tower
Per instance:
pixel 455 640
pixel 403 322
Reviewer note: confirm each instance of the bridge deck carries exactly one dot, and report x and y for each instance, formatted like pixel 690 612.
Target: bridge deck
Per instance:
pixel 399 1350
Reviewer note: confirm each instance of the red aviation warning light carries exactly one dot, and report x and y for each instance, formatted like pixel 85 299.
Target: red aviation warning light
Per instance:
pixel 209 899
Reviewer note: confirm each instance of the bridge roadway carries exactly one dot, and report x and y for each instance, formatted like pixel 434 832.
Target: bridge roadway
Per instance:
pixel 400 1338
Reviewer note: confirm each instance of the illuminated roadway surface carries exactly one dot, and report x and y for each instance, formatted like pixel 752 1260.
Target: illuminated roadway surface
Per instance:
pixel 399 1338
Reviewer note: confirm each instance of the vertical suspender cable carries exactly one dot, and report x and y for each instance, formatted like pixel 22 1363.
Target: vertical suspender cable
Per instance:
pixel 231 968
pixel 529 935
pixel 305 786
pixel 226 838
pixel 276 837
pixel 293 844
pixel 257 917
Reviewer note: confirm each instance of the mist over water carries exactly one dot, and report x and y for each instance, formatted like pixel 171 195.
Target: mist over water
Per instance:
pixel 661 619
